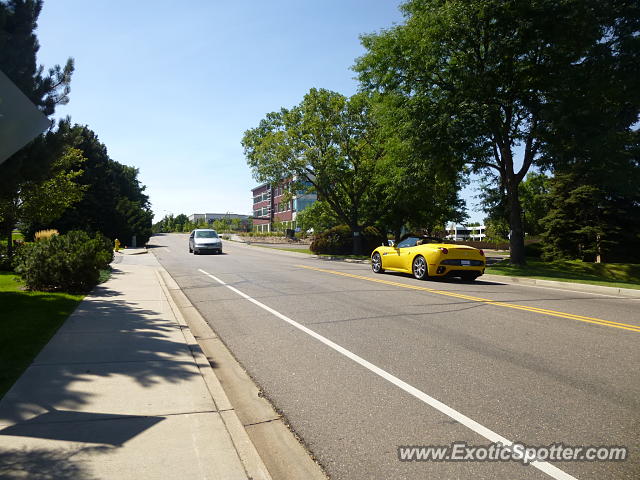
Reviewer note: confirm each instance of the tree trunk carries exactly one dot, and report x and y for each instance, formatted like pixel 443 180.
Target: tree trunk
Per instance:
pixel 516 238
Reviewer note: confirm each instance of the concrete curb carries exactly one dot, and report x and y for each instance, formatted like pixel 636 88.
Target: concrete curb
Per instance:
pixel 342 259
pixel 576 287
pixel 251 460
pixel 257 430
pixel 132 251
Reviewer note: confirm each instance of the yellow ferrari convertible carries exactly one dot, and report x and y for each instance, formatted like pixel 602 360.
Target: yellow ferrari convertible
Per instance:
pixel 426 257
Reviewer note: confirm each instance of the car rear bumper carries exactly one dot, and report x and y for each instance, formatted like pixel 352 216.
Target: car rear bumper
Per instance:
pixel 455 270
pixel 208 248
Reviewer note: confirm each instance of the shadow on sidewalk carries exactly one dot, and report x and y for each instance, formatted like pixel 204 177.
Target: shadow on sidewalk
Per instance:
pixel 45 464
pixel 56 398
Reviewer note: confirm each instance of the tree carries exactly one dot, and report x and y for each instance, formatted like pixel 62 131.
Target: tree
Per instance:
pixel 482 78
pixel 221 225
pixel 534 195
pixel 410 190
pixel 534 198
pixel 114 202
pixel 18 49
pixel 317 217
pixel 330 140
pixel 179 222
pixel 41 203
pixel 592 145
pixel 41 199
pixel 595 208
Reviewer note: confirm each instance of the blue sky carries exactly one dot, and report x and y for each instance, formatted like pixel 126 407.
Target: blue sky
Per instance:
pixel 170 87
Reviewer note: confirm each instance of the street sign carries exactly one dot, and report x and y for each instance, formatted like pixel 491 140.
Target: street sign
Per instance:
pixel 20 120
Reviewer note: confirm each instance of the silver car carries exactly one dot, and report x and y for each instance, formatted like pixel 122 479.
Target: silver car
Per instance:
pixel 204 240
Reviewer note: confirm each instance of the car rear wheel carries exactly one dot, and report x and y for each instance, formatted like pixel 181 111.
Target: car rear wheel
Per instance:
pixel 376 263
pixel 419 267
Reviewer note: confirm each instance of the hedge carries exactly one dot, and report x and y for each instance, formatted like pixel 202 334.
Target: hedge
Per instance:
pixel 339 241
pixel 70 262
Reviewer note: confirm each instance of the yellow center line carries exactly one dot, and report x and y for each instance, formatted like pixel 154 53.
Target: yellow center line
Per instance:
pixel 542 311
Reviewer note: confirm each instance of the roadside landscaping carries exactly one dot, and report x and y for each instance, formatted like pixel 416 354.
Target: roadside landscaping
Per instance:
pixel 50 277
pixel 606 274
pixel 29 319
pixel 299 250
pixel 309 252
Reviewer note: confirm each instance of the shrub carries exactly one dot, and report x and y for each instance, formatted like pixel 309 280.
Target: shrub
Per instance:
pixel 42 234
pixel 372 239
pixel 335 241
pixel 70 262
pixel 339 241
pixel 262 234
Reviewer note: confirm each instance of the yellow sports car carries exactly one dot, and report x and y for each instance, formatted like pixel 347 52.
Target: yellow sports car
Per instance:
pixel 426 257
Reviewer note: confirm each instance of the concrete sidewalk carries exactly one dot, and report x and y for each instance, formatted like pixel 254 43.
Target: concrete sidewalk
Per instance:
pixel 123 391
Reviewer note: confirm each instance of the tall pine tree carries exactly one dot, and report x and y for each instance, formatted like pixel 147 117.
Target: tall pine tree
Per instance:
pixel 18 49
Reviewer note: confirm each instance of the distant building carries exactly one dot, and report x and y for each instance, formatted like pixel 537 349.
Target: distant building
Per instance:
pixel 270 206
pixel 463 232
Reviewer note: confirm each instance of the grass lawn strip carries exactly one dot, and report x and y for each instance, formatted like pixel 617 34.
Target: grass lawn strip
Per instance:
pixel 607 274
pixel 27 323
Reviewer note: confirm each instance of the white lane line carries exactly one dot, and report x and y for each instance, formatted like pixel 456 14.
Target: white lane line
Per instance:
pixel 490 435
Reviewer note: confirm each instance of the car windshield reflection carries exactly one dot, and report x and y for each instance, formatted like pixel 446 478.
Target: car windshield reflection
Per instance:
pixel 206 234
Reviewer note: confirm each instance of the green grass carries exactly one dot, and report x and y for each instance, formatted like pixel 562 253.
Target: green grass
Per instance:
pixel 14 236
pixel 299 250
pixel 105 274
pixel 28 321
pixel 607 274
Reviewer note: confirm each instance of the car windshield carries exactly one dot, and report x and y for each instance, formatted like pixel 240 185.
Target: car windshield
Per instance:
pixel 206 234
pixel 413 241
pixel 408 242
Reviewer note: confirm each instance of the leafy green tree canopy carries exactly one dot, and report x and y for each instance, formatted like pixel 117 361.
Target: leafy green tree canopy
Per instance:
pixel 483 77
pixel 328 139
pixel 18 50
pixel 114 202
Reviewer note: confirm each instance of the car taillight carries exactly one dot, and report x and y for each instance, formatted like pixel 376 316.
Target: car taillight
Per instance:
pixel 444 250
pixel 482 252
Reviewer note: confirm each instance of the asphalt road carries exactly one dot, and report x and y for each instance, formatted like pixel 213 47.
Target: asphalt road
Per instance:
pixel 358 362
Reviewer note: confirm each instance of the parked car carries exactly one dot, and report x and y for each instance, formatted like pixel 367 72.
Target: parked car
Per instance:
pixel 204 240
pixel 426 257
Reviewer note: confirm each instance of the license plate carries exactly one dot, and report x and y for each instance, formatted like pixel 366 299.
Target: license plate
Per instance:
pixel 465 262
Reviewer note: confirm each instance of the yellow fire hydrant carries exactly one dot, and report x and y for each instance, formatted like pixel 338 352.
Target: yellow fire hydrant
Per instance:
pixel 117 245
